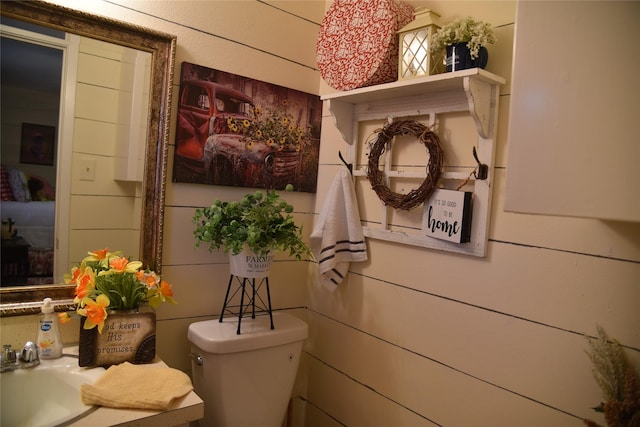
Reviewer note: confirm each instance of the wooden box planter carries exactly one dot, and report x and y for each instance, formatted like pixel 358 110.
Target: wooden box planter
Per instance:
pixel 126 337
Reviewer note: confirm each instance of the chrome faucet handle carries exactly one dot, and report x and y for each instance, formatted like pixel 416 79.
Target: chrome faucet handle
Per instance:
pixel 29 353
pixel 8 355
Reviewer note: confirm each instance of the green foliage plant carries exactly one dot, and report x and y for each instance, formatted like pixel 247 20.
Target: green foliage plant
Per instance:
pixel 260 221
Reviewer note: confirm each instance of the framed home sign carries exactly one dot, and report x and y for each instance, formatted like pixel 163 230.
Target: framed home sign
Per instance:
pixel 447 215
pixel 37 144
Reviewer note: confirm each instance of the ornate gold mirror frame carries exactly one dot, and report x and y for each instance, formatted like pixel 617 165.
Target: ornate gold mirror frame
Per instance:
pixel 27 300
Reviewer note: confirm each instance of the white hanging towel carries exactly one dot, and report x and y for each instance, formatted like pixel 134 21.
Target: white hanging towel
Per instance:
pixel 337 237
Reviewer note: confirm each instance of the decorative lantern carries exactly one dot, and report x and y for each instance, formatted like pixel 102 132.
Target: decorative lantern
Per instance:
pixel 415 40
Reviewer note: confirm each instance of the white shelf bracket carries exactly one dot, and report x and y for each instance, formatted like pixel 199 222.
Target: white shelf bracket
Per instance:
pixel 480 104
pixel 342 113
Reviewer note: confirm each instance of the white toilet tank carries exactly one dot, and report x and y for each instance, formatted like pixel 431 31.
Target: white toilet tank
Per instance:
pixel 246 380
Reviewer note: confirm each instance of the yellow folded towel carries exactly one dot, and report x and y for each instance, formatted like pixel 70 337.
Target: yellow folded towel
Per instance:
pixel 137 386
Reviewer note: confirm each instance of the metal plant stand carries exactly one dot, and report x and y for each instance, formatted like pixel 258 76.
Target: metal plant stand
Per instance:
pixel 253 299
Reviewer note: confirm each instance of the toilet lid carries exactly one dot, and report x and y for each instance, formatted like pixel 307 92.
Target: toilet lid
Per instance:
pixel 212 336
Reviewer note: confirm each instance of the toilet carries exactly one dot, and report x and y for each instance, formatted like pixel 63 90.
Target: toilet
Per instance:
pixel 246 380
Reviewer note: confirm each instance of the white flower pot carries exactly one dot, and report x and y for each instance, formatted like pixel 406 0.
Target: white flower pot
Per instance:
pixel 250 265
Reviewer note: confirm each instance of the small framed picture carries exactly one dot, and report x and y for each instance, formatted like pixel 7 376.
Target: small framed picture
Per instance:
pixel 37 145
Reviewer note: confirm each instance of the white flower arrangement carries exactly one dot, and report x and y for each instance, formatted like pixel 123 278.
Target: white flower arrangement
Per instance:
pixel 475 33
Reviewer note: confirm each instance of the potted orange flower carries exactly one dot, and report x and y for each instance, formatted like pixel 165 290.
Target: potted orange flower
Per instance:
pixel 115 298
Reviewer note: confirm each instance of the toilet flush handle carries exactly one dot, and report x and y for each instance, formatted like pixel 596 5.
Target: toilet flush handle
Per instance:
pixel 198 360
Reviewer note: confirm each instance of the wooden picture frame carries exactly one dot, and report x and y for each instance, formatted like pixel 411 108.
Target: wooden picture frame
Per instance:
pixel 37 144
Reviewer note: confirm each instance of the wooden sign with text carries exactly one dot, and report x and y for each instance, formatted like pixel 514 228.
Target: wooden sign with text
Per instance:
pixel 447 215
pixel 126 337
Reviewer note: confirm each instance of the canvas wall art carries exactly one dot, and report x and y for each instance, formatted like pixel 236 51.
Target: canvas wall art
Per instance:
pixel 237 131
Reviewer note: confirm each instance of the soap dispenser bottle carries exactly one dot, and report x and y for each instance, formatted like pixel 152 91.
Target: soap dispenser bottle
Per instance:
pixel 49 342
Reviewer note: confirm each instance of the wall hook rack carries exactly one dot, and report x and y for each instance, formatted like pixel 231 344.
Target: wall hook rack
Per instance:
pixel 474 91
pixel 482 171
pixel 348 165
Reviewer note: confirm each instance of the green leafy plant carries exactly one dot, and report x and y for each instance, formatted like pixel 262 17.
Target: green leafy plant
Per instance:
pixel 618 381
pixel 263 222
pixel 474 33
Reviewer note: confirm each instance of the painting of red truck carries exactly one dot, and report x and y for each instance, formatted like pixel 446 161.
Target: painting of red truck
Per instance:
pixel 237 131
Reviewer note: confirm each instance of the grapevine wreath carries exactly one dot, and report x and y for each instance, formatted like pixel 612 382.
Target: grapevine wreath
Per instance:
pixel 434 167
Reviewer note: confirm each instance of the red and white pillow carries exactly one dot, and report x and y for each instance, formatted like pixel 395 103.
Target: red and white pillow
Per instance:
pixel 15 185
pixel 7 194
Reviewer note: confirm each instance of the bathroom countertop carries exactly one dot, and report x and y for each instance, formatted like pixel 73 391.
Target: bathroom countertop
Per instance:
pixel 183 411
pixel 186 409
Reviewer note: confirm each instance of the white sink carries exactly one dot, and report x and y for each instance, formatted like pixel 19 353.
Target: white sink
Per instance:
pixel 45 395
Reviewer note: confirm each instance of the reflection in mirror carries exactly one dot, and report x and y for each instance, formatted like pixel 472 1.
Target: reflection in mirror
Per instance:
pixel 142 178
pixel 107 144
pixel 30 81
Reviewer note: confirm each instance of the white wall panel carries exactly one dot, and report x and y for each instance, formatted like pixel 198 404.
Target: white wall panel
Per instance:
pixel 574 127
pixel 413 336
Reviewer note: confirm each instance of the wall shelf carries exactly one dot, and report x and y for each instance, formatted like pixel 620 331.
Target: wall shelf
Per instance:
pixel 475 91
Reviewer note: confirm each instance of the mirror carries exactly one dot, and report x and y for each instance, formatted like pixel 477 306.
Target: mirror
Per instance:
pixel 25 300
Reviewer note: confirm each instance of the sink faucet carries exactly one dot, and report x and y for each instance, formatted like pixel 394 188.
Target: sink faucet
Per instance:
pixel 27 358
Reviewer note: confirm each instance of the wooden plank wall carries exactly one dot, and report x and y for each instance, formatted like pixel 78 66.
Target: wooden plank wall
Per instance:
pixel 417 337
